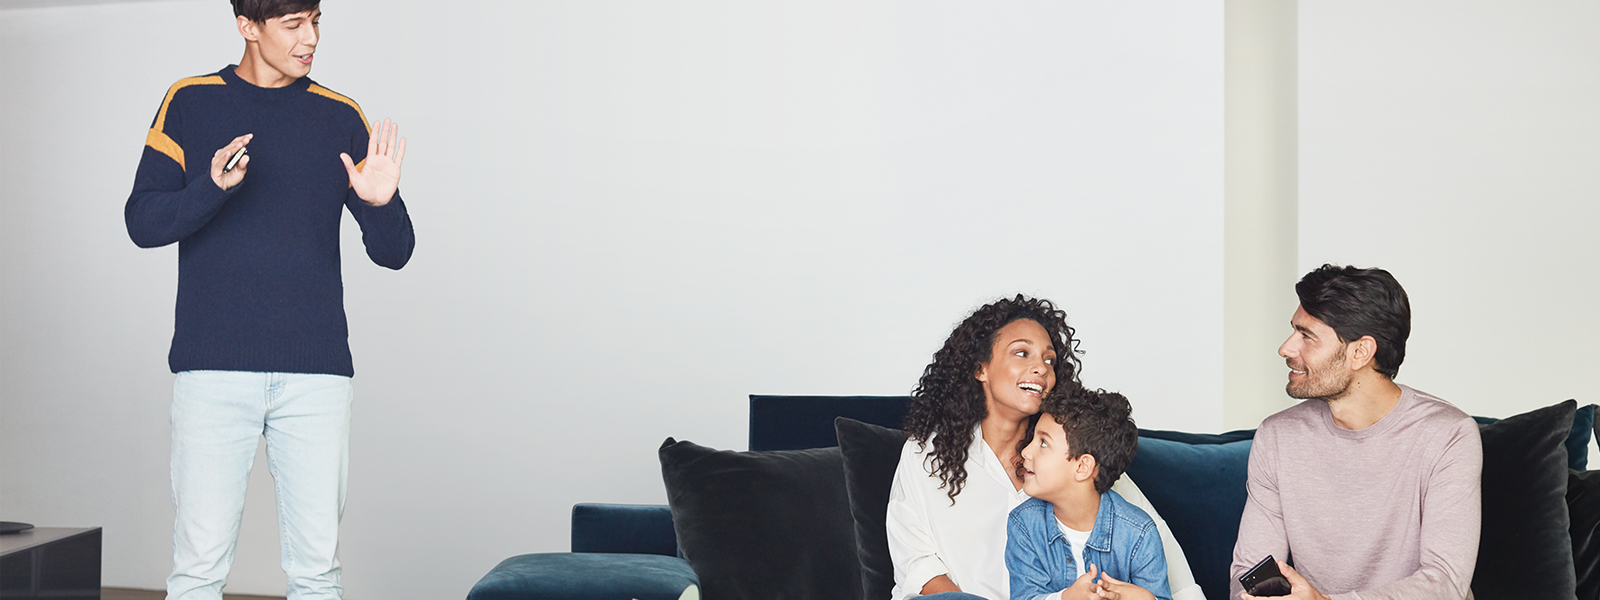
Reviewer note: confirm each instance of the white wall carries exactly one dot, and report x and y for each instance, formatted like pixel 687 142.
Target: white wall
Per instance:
pixel 630 215
pixel 1453 143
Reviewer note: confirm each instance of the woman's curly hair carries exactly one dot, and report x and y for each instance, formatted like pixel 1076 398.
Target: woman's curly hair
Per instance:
pixel 948 401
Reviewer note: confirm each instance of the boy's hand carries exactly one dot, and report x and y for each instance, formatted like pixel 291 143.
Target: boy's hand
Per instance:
pixel 1084 587
pixel 1111 589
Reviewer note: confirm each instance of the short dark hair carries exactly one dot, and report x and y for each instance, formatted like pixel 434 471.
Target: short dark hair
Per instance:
pixel 1100 424
pixel 1361 302
pixel 262 10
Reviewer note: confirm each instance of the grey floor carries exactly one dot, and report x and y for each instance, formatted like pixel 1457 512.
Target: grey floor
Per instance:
pixel 132 594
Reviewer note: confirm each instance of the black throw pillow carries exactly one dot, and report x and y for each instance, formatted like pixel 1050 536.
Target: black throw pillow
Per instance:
pixel 763 525
pixel 1583 503
pixel 871 456
pixel 1525 551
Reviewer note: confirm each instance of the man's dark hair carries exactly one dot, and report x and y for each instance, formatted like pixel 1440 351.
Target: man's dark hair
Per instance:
pixel 1361 302
pixel 262 10
pixel 1100 424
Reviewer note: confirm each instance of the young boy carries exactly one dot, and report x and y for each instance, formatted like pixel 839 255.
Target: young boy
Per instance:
pixel 1075 538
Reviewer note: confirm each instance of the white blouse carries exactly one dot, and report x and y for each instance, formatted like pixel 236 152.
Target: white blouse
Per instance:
pixel 929 537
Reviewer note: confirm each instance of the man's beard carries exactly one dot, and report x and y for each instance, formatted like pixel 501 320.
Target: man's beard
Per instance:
pixel 1321 382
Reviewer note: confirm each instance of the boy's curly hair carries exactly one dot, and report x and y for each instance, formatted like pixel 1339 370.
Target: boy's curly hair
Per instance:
pixel 1100 424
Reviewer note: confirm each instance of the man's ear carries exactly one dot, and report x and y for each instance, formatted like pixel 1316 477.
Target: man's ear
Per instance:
pixel 1361 353
pixel 248 29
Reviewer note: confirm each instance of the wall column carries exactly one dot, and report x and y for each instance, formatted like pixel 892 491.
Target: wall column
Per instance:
pixel 1260 190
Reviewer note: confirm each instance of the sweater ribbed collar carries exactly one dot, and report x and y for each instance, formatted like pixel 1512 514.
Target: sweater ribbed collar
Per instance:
pixel 234 80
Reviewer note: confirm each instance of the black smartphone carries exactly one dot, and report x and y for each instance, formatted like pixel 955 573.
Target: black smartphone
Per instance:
pixel 235 160
pixel 1265 579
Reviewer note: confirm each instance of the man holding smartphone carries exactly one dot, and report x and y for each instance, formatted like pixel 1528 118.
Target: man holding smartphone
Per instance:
pixel 260 341
pixel 1373 487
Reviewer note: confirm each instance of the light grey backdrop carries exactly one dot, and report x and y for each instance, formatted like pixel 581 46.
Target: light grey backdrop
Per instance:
pixel 630 215
pixel 1454 143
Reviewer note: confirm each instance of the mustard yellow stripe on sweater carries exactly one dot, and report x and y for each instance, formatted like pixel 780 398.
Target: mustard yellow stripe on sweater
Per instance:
pixel 327 93
pixel 161 143
pixel 157 139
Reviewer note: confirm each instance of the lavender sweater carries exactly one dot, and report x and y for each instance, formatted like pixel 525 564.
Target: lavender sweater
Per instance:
pixel 1387 512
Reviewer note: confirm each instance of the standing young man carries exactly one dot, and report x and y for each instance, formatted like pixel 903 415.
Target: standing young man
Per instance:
pixel 260 342
pixel 1372 488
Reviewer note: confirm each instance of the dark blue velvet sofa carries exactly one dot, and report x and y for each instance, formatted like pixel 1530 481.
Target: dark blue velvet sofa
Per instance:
pixel 1195 481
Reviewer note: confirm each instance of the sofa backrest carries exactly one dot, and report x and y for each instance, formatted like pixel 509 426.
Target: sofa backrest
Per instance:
pixel 801 422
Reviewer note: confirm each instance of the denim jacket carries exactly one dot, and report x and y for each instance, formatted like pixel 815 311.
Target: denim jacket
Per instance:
pixel 1124 544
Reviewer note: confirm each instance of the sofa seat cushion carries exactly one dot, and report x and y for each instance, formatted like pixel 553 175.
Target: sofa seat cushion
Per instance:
pixel 585 576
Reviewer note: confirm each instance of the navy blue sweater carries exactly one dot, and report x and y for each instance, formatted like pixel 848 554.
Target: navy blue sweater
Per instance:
pixel 259 286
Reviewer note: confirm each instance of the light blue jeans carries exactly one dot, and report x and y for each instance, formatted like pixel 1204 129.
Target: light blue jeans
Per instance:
pixel 217 418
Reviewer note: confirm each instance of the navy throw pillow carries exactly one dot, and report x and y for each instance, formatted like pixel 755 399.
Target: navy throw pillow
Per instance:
pixel 763 525
pixel 1199 489
pixel 1525 551
pixel 871 456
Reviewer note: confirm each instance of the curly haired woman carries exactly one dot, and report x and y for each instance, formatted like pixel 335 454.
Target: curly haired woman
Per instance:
pixel 970 416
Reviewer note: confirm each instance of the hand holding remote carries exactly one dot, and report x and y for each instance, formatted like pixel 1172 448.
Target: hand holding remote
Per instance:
pixel 220 174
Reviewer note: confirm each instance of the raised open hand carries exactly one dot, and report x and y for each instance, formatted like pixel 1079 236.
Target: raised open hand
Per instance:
pixel 376 181
pixel 220 160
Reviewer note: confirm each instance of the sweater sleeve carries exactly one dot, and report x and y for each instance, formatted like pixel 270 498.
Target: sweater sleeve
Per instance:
pixel 1452 508
pixel 385 230
pixel 1261 528
pixel 166 206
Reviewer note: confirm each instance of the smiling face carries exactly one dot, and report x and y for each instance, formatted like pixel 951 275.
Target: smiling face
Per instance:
pixel 283 47
pixel 1047 471
pixel 1020 370
pixel 1317 359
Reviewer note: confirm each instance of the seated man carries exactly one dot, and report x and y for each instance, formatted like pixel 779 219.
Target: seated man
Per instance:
pixel 1372 489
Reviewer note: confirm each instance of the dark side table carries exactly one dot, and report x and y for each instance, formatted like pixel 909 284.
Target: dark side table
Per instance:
pixel 61 563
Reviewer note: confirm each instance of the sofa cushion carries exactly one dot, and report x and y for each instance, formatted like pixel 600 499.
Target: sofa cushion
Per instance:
pixel 871 456
pixel 1583 504
pixel 1525 551
pixel 1198 487
pixel 585 576
pixel 623 529
pixel 1577 442
pixel 763 525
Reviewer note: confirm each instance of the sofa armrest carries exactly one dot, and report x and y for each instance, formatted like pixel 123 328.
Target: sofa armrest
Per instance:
pixel 623 529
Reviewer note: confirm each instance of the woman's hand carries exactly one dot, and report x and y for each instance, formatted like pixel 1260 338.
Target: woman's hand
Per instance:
pixel 939 584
